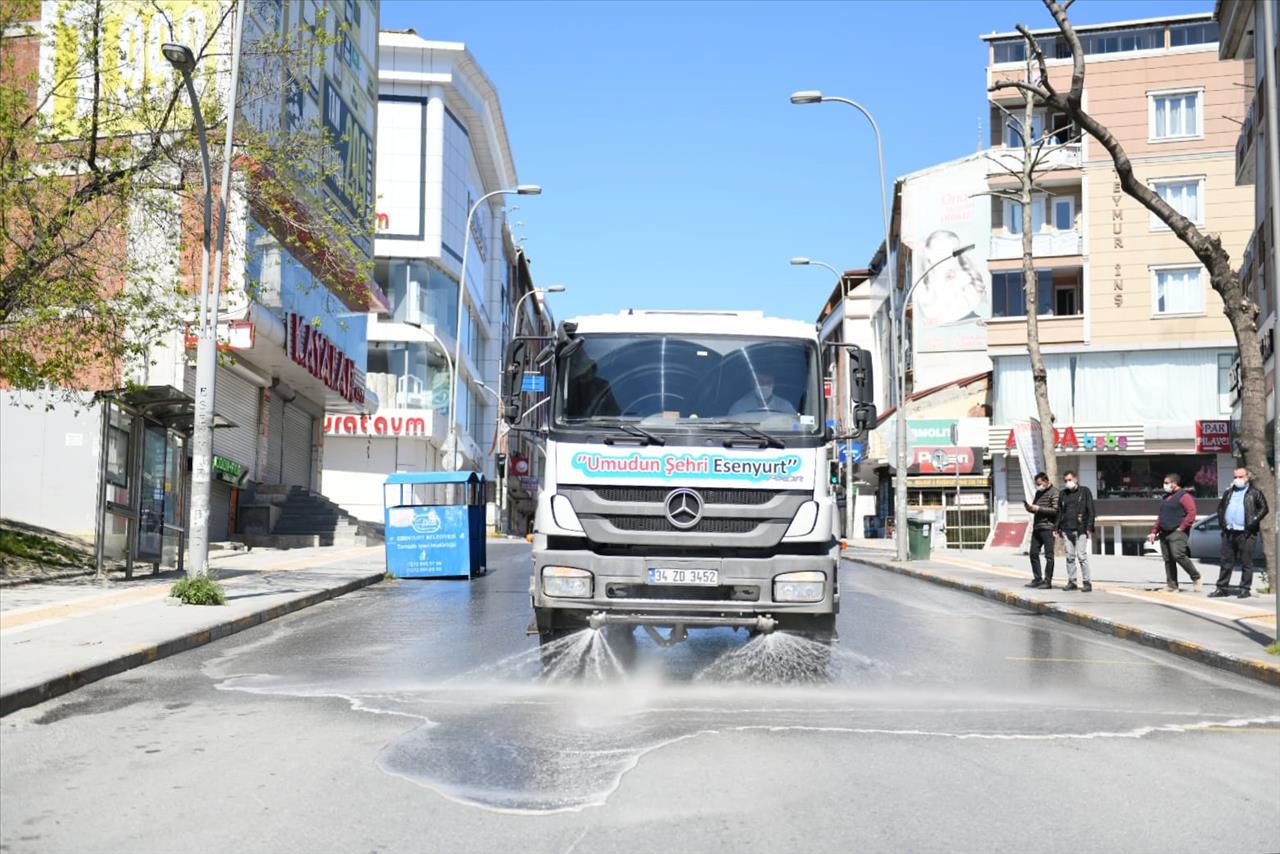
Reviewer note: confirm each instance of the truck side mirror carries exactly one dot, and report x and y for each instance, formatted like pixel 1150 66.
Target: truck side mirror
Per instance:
pixel 863 380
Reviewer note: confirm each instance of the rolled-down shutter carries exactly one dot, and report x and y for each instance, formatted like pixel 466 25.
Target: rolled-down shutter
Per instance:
pixel 235 399
pixel 296 457
pixel 1017 494
pixel 275 440
pixel 219 511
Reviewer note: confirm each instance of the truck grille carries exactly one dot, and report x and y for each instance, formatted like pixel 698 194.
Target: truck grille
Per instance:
pixel 659 524
pixel 658 494
pixel 678 592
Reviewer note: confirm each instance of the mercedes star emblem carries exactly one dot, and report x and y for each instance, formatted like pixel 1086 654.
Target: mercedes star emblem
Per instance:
pixel 684 508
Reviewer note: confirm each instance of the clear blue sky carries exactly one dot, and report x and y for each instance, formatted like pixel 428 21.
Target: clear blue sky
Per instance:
pixel 676 173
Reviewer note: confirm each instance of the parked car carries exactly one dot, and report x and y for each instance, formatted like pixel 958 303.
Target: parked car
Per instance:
pixel 1206 541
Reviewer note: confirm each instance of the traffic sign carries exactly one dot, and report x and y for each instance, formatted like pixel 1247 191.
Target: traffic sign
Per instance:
pixel 536 383
pixel 856 451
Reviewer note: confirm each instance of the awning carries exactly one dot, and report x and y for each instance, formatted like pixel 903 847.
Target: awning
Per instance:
pixel 164 404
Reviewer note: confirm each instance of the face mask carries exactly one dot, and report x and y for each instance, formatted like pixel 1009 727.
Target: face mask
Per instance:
pixel 1071 484
pixel 1240 483
pixel 1169 487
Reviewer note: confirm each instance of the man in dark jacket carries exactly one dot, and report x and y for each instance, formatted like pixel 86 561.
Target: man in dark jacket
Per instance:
pixel 1075 526
pixel 1240 515
pixel 1173 524
pixel 1044 518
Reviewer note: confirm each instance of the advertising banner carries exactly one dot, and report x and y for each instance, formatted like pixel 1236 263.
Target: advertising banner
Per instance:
pixel 687 466
pixel 1030 446
pixel 425 542
pixel 943 210
pixel 1213 437
pixel 945 460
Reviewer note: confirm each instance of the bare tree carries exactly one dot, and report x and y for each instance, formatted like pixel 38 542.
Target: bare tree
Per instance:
pixel 97 157
pixel 1241 310
pixel 1033 160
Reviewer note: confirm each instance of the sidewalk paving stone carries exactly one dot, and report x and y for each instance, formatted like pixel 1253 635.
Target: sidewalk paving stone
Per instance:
pixel 1128 601
pixel 58 636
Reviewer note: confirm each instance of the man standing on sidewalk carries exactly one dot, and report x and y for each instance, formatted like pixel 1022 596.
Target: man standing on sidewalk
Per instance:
pixel 1044 510
pixel 1177 515
pixel 1075 526
pixel 1240 514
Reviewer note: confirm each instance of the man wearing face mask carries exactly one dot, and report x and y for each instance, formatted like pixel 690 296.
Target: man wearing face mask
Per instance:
pixel 1240 515
pixel 762 398
pixel 1075 526
pixel 1177 515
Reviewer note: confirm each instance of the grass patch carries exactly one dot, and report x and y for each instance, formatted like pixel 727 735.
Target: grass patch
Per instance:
pixel 1274 649
pixel 201 590
pixel 39 549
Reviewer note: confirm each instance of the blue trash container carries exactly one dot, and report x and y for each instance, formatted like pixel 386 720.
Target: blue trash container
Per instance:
pixel 434 524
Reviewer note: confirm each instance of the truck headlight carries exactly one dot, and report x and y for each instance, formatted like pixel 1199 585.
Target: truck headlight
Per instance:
pixel 805 586
pixel 566 582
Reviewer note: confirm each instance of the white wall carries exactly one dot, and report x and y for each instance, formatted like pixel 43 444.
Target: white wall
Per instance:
pixel 355 468
pixel 49 463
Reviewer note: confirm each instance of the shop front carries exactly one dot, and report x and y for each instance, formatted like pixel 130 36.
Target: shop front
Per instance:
pixel 1124 466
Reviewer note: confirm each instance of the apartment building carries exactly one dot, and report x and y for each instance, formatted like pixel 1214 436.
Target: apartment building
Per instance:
pixel 1135 342
pixel 291 321
pixel 1243 38
pixel 442 146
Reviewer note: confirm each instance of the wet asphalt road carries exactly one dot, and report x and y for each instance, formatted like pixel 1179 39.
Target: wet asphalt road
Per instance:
pixel 412 716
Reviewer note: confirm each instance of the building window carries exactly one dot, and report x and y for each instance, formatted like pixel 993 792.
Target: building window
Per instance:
pixel 1059 293
pixel 1178 291
pixel 1225 361
pixel 1013 215
pixel 1183 35
pixel 1140 476
pixel 1175 115
pixel 1121 41
pixel 1064 214
pixel 1184 195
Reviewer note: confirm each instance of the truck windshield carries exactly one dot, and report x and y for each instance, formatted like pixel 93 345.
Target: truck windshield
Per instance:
pixel 685 382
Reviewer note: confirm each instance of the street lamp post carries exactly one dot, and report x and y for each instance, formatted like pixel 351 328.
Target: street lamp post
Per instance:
pixel 850 491
pixel 184 61
pixel 900 477
pixel 521 190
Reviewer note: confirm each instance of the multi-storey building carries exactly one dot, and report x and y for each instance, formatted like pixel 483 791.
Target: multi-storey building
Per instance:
pixel 442 146
pixel 1243 38
pixel 293 302
pixel 1136 345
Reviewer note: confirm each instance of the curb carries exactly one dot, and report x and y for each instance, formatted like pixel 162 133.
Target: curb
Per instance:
pixel 147 653
pixel 1259 670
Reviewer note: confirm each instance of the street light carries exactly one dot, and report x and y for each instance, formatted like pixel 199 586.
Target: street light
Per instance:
pixel 900 477
pixel 849 492
pixel 553 289
pixel 184 61
pixel 519 190
pixel 813 96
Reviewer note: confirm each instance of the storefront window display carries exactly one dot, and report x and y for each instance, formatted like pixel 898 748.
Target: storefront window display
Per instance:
pixel 1141 476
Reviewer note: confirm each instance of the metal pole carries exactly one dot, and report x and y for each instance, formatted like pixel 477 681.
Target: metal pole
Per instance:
pixel 206 365
pixel 900 477
pixel 1271 138
pixel 457 332
pixel 100 540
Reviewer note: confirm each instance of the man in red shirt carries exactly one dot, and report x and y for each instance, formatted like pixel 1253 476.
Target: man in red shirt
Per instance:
pixel 1173 524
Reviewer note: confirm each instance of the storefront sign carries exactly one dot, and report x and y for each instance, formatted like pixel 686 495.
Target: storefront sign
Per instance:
pixel 228 471
pixel 1067 439
pixel 520 466
pixel 945 460
pixel 1213 437
pixel 948 482
pixel 313 350
pixel 383 424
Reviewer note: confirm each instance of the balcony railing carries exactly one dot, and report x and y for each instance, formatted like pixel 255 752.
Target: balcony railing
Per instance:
pixel 1044 244
pixel 1246 166
pixel 1002 159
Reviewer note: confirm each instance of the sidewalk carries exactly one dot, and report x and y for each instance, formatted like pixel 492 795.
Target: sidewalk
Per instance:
pixel 57 636
pixel 1128 601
